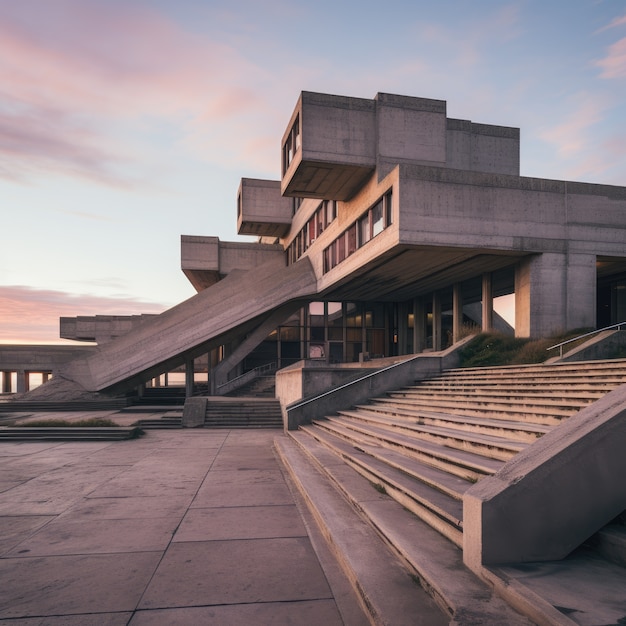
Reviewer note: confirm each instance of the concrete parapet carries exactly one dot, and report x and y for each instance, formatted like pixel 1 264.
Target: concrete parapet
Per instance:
pixel 552 496
pixel 362 388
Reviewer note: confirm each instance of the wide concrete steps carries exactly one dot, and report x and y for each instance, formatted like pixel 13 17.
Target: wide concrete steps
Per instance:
pixel 37 406
pixel 381 545
pixel 226 412
pixel 160 423
pixel 424 449
pixel 99 433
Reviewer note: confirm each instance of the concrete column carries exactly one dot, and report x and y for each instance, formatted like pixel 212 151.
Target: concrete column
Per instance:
pixel 419 325
pixel 403 328
pixel 189 378
pixel 45 377
pixel 555 293
pixel 436 322
pixel 5 381
pixel 487 304
pixel 457 311
pixel 22 381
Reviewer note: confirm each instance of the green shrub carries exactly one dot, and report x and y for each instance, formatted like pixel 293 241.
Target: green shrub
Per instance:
pixel 491 349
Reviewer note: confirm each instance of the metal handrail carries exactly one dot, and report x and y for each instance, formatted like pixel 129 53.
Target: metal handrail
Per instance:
pixel 253 373
pixel 593 332
pixel 376 372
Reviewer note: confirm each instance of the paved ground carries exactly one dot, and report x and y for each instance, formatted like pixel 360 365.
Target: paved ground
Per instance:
pixel 178 527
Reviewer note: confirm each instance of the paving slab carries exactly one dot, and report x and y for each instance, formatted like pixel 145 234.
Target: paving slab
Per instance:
pixel 177 527
pixel 66 585
pixel 237 572
pixel 100 619
pixel 243 494
pixel 78 535
pixel 308 612
pixel 257 522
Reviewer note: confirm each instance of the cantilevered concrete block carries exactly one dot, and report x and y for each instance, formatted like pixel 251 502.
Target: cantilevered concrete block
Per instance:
pixel 329 147
pixel 261 210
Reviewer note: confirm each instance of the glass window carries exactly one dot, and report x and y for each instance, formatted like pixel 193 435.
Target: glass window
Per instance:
pixel 378 223
pixel 364 229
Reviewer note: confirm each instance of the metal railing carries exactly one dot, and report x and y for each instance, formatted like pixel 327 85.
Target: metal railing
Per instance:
pixel 583 336
pixel 248 376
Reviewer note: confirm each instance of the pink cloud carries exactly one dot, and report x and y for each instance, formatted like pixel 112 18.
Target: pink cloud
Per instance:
pixel 78 78
pixel 571 136
pixel 614 63
pixel 30 315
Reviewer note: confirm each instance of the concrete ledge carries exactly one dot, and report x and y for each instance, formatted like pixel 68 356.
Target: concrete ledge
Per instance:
pixel 373 384
pixel 554 495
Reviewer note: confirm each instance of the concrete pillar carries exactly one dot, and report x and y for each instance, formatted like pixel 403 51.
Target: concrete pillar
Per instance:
pixel 45 377
pixel 436 322
pixel 419 325
pixel 554 293
pixel 189 378
pixel 403 328
pixel 457 312
pixel 22 381
pixel 5 381
pixel 487 304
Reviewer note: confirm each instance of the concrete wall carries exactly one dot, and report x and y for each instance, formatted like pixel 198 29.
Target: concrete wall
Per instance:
pixel 99 328
pixel 39 358
pixel 554 494
pixel 359 390
pixel 261 210
pixel 411 129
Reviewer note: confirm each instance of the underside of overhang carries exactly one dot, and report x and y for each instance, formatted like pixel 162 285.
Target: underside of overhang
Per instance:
pixel 405 273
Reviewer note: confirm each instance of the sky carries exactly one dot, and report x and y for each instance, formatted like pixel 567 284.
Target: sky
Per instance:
pixel 125 124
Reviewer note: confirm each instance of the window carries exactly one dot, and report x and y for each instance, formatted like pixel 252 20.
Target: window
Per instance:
pixel 378 222
pixel 314 227
pixel 371 223
pixel 292 145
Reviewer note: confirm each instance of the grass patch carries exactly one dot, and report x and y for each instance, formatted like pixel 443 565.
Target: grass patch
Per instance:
pixel 59 423
pixel 492 349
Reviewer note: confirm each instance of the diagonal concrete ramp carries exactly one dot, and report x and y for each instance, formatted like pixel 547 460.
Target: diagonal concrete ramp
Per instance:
pixel 234 305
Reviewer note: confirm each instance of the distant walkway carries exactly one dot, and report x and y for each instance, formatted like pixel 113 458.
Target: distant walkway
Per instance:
pixel 178 527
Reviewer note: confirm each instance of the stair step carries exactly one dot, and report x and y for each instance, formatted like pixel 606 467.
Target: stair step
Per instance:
pixel 486 445
pixel 442 511
pixel 519 431
pixel 161 423
pixel 461 463
pixel 503 410
pixel 335 494
pixel 99 433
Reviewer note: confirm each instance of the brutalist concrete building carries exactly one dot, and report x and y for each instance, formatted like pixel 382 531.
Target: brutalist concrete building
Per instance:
pixel 391 231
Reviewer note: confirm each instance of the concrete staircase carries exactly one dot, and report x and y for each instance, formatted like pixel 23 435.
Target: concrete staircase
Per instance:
pixel 422 447
pixel 40 433
pixel 242 412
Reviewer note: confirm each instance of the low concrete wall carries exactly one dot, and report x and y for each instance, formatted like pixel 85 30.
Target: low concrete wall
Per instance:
pixel 555 494
pixel 302 411
pixel 598 347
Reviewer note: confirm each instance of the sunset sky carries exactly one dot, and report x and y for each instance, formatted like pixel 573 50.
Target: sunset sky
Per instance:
pixel 126 123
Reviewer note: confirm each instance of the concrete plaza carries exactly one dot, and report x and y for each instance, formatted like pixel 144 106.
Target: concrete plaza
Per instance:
pixel 177 527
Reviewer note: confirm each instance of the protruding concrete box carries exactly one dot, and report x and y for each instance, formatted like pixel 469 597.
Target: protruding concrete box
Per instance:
pixel 329 147
pixel 206 260
pixel 261 210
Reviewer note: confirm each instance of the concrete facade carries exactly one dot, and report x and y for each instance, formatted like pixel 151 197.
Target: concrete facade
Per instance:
pixel 392 230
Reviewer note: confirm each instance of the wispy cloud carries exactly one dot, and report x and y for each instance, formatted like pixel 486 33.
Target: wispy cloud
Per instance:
pixel 81 79
pixel 572 134
pixel 32 315
pixel 613 65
